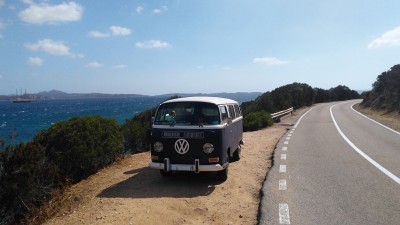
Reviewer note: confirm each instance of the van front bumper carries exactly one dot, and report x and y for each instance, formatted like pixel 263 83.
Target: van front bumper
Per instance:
pixel 196 167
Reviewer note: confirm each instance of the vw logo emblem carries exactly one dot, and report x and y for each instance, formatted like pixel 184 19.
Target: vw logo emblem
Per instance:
pixel 181 146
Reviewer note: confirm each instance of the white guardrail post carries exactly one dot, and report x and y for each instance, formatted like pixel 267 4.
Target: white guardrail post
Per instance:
pixel 281 113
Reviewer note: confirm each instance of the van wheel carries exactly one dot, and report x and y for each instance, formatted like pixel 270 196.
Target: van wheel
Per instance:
pixel 165 173
pixel 223 174
pixel 236 154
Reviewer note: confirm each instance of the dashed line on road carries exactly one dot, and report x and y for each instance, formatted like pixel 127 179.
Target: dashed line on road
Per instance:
pixel 282 185
pixel 284 148
pixel 282 168
pixel 286 143
pixel 283 156
pixel 284 217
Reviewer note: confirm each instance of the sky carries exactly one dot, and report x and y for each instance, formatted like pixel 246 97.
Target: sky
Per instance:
pixel 156 47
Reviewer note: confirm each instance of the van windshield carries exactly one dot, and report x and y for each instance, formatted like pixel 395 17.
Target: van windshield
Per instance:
pixel 187 114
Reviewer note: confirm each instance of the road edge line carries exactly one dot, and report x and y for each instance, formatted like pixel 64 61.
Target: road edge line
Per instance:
pixel 373 162
pixel 393 130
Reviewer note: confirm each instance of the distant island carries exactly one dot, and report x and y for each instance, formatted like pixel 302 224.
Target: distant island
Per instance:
pixel 55 94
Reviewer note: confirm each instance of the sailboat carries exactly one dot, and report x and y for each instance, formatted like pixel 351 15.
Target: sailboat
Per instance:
pixel 21 99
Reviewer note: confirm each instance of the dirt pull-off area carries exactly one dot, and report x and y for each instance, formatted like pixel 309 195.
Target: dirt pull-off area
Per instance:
pixel 128 192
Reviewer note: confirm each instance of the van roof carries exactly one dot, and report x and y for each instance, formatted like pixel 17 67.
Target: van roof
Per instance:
pixel 214 100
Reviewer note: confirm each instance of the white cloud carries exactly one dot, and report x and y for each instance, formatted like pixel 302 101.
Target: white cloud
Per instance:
pixel 152 44
pixel 139 9
pixel 115 31
pixel 2 2
pixel 160 10
pixel 269 61
pixel 51 47
pixel 94 65
pixel 35 61
pixel 97 34
pixel 120 31
pixel 388 39
pixel 51 14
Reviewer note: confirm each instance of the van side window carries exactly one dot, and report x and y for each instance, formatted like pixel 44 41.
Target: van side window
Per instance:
pixel 224 113
pixel 231 112
pixel 238 111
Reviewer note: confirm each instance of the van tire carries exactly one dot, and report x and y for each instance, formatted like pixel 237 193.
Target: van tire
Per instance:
pixel 223 174
pixel 236 154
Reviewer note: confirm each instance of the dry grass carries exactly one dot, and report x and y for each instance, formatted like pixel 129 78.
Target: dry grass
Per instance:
pixel 391 120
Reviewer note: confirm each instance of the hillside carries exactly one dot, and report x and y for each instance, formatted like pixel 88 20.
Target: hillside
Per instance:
pixel 385 94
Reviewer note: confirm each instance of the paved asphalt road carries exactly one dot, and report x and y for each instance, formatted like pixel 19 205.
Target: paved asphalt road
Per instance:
pixel 334 167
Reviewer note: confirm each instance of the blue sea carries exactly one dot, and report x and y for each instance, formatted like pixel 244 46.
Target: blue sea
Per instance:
pixel 29 118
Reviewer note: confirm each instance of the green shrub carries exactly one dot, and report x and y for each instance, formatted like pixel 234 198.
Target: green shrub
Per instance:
pixel 256 120
pixel 27 180
pixel 82 145
pixel 137 132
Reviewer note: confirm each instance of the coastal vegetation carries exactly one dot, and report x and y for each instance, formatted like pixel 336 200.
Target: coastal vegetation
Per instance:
pixel 32 175
pixel 385 93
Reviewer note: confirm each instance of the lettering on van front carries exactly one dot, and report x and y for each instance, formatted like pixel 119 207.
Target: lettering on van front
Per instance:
pixel 187 135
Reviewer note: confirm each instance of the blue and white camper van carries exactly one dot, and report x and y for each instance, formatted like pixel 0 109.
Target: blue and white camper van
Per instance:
pixel 199 134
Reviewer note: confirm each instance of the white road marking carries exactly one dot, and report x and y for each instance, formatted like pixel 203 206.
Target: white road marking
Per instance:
pixel 298 121
pixel 284 214
pixel 284 148
pixel 373 162
pixel 291 132
pixel 282 185
pixel 289 135
pixel 284 208
pixel 282 168
pixel 394 131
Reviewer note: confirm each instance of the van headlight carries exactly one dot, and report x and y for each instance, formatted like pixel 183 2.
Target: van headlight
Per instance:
pixel 158 147
pixel 208 148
